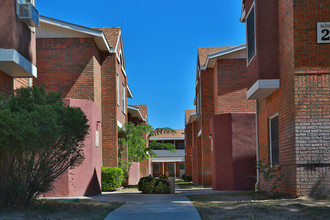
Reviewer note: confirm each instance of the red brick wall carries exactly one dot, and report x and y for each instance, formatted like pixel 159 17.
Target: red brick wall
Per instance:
pixel 109 112
pixel 188 148
pixel 21 82
pixel 15 34
pixel 6 84
pixel 69 65
pixel 307 53
pixel 207 111
pixel 282 101
pixel 231 87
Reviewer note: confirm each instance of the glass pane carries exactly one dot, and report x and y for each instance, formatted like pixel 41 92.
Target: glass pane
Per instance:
pixel 251 34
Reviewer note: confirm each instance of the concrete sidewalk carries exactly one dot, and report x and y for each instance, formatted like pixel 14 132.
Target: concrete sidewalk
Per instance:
pixel 150 206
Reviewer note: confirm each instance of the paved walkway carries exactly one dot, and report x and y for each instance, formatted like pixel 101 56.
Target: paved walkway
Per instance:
pixel 153 206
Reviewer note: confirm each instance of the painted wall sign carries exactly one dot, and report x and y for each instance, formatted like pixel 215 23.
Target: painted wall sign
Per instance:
pixel 323 32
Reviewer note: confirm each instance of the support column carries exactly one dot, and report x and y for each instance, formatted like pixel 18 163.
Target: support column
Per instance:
pixel 163 168
pixel 174 169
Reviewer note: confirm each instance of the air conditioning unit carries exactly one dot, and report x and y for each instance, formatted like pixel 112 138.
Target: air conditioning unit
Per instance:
pixel 28 14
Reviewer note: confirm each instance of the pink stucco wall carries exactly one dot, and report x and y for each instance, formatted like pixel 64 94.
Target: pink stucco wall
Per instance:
pixel 234 151
pixel 134 173
pixel 86 178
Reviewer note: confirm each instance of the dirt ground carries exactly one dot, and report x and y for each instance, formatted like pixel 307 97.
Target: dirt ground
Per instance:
pixel 59 209
pixel 256 206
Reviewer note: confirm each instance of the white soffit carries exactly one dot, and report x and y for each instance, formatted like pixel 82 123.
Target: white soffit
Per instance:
pixel 263 88
pixel 15 65
pixel 53 28
pixel 135 112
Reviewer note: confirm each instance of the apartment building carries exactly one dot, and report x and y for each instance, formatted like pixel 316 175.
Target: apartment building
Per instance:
pixel 18 22
pixel 288 68
pixel 220 102
pixel 167 162
pixel 138 115
pixel 87 66
pixel 189 140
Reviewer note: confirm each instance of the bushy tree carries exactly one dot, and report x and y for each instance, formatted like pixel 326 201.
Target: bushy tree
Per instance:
pixel 40 138
pixel 140 148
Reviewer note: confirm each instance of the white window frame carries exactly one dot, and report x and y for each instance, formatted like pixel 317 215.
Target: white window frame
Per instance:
pixel 153 168
pixel 117 85
pixel 255 35
pixel 123 98
pixel 270 141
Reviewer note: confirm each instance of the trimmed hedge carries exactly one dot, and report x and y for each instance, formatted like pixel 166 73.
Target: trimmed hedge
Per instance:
pixel 111 178
pixel 150 184
pixel 188 178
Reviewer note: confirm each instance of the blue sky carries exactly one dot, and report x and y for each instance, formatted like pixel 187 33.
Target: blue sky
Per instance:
pixel 160 43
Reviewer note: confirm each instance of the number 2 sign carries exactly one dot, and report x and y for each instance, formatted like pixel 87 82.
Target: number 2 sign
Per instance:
pixel 323 32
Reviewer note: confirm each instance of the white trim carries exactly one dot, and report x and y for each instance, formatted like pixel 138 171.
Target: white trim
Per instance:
pixel 159 139
pixel 119 124
pixel 78 28
pixel 129 107
pixel 262 88
pixel 243 14
pixel 218 54
pixel 15 65
pixel 255 34
pixel 129 92
pixel 199 133
pixel 270 139
pixel 117 85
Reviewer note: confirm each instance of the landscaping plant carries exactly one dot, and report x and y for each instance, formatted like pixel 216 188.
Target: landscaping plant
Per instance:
pixel 111 178
pixel 40 138
pixel 140 148
pixel 271 178
pixel 151 184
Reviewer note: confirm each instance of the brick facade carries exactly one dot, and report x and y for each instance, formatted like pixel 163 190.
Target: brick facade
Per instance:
pixel 302 101
pixel 222 89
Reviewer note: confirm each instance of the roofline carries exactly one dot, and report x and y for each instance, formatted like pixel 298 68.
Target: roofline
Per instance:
pixel 243 13
pixel 137 109
pixel 159 139
pixel 129 91
pixel 222 53
pixel 190 115
pixel 78 28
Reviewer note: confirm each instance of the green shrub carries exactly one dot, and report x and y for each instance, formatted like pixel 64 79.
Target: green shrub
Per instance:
pixel 162 186
pixel 147 184
pixel 188 178
pixel 150 184
pixel 111 178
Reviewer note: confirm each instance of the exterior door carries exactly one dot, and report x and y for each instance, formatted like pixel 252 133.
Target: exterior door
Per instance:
pixel 182 169
pixel 170 169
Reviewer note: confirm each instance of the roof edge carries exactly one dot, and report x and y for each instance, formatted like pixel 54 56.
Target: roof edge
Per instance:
pixel 222 53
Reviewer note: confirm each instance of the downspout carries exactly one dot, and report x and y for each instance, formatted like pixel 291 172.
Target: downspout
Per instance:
pixel 256 187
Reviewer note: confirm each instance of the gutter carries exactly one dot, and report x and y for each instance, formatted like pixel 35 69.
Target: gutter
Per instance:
pixel 256 187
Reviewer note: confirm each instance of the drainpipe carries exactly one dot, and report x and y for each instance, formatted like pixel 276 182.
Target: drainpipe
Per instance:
pixel 256 187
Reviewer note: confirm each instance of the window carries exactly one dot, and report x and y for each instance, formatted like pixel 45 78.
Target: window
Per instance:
pixel 251 35
pixel 123 99
pixel 273 141
pixel 197 105
pixel 155 167
pixel 180 146
pixel 181 166
pixel 117 79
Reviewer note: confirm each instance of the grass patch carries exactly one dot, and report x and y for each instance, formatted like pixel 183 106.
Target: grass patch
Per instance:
pixel 130 188
pixel 258 206
pixel 61 209
pixel 186 184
